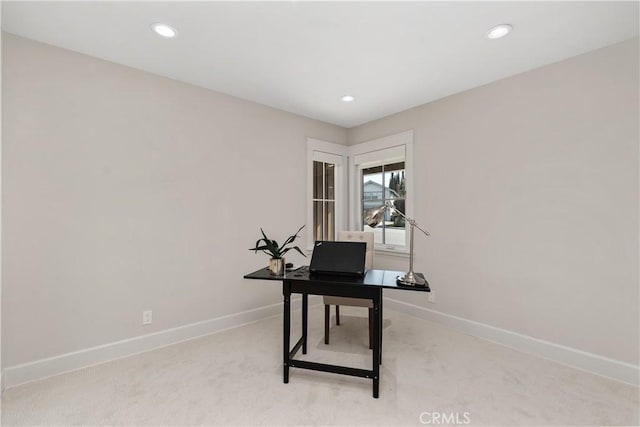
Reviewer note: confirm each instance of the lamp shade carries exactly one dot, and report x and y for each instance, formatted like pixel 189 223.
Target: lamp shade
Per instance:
pixel 374 216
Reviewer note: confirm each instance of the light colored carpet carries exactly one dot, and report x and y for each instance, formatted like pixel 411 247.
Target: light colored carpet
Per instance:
pixel 235 378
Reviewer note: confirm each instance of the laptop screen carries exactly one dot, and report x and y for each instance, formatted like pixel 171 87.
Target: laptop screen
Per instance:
pixel 339 258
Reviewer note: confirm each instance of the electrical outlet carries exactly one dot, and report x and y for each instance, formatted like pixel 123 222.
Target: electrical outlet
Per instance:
pixel 431 297
pixel 147 317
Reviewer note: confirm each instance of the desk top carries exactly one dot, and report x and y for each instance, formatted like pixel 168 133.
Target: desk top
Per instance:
pixel 377 278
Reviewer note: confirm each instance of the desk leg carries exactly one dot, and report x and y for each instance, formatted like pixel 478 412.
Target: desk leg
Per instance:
pixel 381 325
pixel 377 324
pixel 305 313
pixel 286 333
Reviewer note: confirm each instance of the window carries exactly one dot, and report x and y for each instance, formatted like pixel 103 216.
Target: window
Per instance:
pixel 324 200
pixel 381 172
pixel 382 184
pixel 326 187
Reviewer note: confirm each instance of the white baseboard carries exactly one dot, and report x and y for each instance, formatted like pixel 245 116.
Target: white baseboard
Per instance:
pixel 590 362
pixel 44 368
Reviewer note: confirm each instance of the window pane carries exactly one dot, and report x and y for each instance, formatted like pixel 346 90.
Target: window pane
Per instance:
pixel 396 219
pixel 372 190
pixel 394 236
pixel 317 221
pixel 329 174
pixel 317 180
pixel 329 220
pixel 372 170
pixel 395 181
pixel 394 167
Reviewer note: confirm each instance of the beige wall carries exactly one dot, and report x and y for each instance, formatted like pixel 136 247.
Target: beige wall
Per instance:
pixel 529 187
pixel 1 364
pixel 125 191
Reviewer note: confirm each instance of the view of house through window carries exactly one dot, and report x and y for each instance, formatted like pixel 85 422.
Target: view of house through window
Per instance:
pixel 324 200
pixel 381 184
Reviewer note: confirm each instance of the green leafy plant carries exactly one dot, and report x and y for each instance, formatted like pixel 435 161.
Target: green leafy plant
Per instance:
pixel 271 247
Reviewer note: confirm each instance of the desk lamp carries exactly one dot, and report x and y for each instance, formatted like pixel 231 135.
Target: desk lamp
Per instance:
pixel 374 216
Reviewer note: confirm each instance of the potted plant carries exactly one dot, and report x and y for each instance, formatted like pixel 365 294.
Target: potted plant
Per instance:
pixel 271 247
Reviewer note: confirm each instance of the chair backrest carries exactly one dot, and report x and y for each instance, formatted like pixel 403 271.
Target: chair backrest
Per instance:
pixel 360 236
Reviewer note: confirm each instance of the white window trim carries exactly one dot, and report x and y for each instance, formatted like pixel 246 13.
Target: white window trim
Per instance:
pixel 355 186
pixel 318 150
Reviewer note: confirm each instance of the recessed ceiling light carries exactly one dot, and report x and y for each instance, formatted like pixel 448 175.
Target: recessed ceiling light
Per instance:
pixel 348 98
pixel 499 31
pixel 164 30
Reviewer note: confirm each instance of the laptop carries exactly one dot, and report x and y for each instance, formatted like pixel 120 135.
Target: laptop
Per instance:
pixel 339 258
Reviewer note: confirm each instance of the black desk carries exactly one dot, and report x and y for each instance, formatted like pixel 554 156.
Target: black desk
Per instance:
pixel 369 287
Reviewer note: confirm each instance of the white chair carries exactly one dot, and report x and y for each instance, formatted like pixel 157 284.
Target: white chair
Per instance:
pixel 351 236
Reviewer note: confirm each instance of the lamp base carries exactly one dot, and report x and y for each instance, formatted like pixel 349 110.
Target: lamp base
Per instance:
pixel 411 279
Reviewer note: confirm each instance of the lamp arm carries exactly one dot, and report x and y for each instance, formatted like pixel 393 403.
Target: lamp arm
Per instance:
pixel 411 221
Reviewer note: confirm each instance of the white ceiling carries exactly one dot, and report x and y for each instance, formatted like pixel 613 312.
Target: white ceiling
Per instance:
pixel 303 56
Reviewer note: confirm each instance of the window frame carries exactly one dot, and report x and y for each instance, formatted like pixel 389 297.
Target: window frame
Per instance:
pixel 367 153
pixel 328 152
